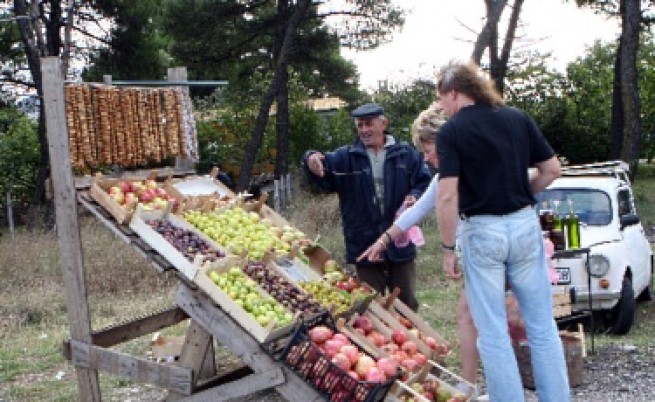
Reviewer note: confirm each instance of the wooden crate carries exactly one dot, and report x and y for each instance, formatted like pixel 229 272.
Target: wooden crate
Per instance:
pixel 561 301
pixel 100 186
pixel 446 379
pixel 206 185
pixel 242 317
pixel 387 308
pixel 139 223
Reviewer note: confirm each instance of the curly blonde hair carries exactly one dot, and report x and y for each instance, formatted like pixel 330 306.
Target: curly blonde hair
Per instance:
pixel 425 126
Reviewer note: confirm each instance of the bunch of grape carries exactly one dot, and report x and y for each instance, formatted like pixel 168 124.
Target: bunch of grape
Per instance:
pixel 185 241
pixel 282 290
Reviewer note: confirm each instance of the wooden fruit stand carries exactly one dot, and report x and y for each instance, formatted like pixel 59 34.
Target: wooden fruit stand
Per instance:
pixel 194 377
pixel 261 300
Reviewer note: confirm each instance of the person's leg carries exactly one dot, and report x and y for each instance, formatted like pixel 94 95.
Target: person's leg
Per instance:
pixel 375 275
pixel 403 276
pixel 468 337
pixel 528 275
pixel 485 251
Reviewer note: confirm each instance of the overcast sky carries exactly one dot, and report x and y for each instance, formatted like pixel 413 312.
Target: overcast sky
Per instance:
pixel 437 31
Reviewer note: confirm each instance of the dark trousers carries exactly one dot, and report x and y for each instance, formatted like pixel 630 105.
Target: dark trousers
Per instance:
pixel 386 276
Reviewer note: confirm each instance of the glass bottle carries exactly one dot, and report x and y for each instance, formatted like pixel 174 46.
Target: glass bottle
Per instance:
pixel 572 227
pixel 546 217
pixel 559 224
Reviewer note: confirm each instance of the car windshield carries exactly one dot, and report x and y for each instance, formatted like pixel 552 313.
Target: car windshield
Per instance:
pixel 593 207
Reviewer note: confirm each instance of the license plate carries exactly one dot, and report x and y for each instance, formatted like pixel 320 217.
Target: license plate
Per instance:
pixel 564 276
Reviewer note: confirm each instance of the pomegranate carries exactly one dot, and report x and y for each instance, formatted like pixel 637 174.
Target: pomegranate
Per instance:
pixel 374 374
pixel 364 363
pixel 351 352
pixel 408 347
pixel 388 366
pixel 320 334
pixel 341 361
pixel 420 359
pixel 399 336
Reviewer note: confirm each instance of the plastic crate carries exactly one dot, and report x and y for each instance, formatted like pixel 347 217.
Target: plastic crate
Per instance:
pixel 306 359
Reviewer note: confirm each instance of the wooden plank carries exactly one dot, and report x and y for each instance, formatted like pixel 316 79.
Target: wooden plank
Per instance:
pixel 133 329
pixel 180 74
pixel 179 379
pixel 202 309
pixel 197 354
pixel 240 388
pixel 68 229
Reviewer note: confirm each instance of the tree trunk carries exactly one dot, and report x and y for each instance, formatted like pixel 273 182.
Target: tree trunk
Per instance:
pixel 616 125
pixel 494 12
pixel 282 114
pixel 488 39
pixel 280 70
pixel 630 85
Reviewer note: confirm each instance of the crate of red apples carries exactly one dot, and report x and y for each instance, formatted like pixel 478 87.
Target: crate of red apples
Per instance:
pixel 336 367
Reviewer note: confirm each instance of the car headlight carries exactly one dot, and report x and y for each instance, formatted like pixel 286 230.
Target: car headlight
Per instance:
pixel 598 265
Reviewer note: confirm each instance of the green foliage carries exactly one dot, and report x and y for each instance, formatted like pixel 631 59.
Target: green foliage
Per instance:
pixel 402 104
pixel 19 154
pixel 138 48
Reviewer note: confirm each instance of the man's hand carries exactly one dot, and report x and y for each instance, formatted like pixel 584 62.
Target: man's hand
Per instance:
pixel 450 265
pixel 315 164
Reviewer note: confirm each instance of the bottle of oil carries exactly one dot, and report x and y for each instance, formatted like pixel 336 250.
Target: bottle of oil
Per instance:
pixel 572 228
pixel 559 227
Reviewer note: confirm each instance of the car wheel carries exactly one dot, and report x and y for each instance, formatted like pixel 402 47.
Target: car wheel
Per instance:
pixel 622 315
pixel 647 293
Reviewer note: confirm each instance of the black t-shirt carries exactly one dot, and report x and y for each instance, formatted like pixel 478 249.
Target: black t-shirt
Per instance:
pixel 490 149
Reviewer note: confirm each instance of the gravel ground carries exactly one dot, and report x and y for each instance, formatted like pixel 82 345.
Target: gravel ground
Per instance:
pixel 614 373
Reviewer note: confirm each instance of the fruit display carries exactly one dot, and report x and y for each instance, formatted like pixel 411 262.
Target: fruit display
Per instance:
pixel 246 293
pixel 185 241
pixel 241 232
pixel 283 290
pixel 392 343
pixel 428 341
pixel 338 301
pixel 331 363
pixel 146 192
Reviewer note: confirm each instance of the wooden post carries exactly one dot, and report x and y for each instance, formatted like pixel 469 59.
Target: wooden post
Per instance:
pixel 289 189
pixel 179 74
pixel 68 229
pixel 10 214
pixel 276 195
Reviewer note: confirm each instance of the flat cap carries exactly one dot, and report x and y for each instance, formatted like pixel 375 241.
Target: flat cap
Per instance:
pixel 368 110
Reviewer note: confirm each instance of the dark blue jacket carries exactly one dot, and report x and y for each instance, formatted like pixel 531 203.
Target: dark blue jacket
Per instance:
pixel 348 173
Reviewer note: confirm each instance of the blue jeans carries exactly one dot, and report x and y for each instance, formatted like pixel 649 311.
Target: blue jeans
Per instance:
pixel 510 247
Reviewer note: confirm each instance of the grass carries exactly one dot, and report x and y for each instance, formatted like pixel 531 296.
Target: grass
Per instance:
pixel 122 285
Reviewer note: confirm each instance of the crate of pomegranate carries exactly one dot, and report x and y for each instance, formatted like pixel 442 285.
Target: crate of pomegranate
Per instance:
pixel 242 298
pixel 400 318
pixel 433 383
pixel 119 197
pixel 335 366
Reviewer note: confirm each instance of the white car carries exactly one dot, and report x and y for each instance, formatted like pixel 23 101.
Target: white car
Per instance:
pixel 620 256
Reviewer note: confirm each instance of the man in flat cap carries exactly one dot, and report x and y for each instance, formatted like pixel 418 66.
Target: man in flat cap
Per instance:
pixel 373 177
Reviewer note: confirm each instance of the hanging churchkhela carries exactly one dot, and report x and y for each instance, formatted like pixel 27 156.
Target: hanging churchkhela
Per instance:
pixel 128 127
